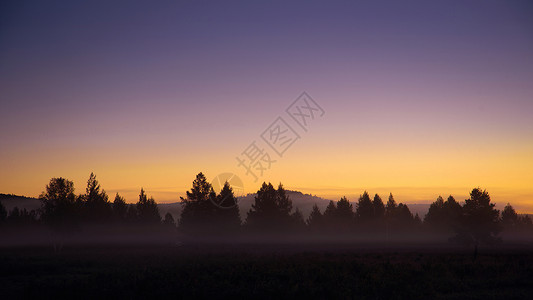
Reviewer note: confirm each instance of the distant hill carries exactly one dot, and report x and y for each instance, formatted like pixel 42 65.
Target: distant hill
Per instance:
pixel 419 208
pixel 10 201
pixel 304 202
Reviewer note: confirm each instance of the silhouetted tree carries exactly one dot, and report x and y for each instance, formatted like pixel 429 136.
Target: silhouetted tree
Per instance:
pixel 344 216
pixel 227 215
pixel 443 215
pixel 271 209
pixel 379 207
pixel 120 208
pixel 403 214
pixel 315 220
pixel 454 211
pixel 390 209
pixel 331 210
pixel 199 211
pixel 330 216
pixel 397 216
pixel 509 217
pixel 365 208
pixel 480 220
pixel 284 204
pixel 95 202
pixel 147 209
pixel 59 208
pixel 436 215
pixel 344 209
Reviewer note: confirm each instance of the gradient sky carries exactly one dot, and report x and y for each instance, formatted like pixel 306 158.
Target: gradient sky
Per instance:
pixel 421 98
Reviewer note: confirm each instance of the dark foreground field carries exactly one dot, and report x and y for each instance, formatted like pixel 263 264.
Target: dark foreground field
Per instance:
pixel 275 271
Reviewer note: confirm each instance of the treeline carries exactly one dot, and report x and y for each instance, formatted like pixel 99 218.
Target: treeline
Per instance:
pixel 64 211
pixel 472 222
pixel 206 213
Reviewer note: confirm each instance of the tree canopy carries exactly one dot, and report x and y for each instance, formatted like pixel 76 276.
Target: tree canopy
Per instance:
pixel 479 219
pixel 271 209
pixel 59 208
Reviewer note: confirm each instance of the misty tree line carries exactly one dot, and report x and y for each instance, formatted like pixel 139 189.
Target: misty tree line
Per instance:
pixel 207 213
pixel 62 209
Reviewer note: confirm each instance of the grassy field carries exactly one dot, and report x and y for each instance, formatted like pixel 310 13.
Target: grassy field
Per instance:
pixel 211 271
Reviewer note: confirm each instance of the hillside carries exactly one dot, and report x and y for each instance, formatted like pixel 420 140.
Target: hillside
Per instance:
pixel 10 201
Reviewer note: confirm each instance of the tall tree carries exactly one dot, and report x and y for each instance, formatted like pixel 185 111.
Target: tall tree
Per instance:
pixel 315 219
pixel 120 208
pixel 227 212
pixel 453 211
pixel 480 220
pixel 403 214
pixel 379 207
pixel 509 216
pixel 284 203
pixel 436 216
pixel 365 208
pixel 96 205
pixel 330 216
pixel 58 202
pixel 344 215
pixel 271 209
pixel 444 215
pixel 331 210
pixel 147 209
pixel 345 209
pixel 390 209
pixel 199 210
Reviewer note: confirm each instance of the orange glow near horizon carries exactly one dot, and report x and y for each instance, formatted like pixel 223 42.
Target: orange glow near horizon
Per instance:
pixel 414 174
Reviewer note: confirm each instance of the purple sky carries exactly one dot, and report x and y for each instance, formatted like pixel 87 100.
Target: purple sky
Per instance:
pixel 140 90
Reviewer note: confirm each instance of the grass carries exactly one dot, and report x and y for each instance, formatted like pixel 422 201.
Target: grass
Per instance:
pixel 209 272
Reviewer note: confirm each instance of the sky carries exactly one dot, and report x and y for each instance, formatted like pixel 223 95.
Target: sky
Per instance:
pixel 417 98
